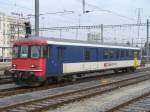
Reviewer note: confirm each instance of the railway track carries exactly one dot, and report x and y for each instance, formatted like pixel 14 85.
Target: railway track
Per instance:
pixel 14 90
pixel 65 97
pixel 139 104
pixel 3 78
pixel 6 80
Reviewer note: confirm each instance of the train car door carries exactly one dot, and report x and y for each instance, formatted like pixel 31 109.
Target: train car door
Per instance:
pixel 52 64
pixel 91 57
pixel 60 59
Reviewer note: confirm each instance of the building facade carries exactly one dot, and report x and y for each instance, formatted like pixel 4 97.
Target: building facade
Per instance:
pixel 11 29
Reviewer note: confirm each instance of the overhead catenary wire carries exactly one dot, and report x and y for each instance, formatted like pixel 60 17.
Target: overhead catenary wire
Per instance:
pixel 106 10
pixel 52 13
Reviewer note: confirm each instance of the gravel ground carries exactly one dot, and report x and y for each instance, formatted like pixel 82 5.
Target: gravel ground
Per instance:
pixel 106 101
pixel 15 99
pixel 7 86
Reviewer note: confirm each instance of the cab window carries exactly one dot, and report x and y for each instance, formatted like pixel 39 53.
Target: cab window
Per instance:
pixel 24 51
pixel 16 52
pixel 35 51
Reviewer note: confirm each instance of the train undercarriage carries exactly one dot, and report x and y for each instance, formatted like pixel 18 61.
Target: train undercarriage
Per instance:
pixel 28 78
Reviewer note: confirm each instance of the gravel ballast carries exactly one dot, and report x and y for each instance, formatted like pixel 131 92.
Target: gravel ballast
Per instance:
pixel 107 101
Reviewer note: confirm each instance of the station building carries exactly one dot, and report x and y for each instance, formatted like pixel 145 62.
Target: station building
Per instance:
pixel 11 28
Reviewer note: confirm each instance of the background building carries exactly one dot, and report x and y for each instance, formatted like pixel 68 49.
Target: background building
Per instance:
pixel 11 28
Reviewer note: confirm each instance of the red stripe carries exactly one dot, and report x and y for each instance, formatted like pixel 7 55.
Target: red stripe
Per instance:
pixel 31 42
pixel 27 63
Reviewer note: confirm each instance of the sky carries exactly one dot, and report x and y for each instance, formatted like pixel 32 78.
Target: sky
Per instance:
pixel 122 11
pixel 107 12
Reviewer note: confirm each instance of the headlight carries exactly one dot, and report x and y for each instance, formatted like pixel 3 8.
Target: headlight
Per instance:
pixel 14 66
pixel 33 66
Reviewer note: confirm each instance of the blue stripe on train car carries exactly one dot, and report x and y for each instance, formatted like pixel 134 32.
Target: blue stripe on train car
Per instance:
pixel 76 54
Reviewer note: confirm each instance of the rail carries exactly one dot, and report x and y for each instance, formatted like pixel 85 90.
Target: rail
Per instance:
pixel 58 99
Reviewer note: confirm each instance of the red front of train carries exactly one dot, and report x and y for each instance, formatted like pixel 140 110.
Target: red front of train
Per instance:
pixel 29 62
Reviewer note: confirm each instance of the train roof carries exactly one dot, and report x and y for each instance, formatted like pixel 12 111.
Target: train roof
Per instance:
pixel 71 42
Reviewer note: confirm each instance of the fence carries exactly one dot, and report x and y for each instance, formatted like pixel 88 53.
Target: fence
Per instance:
pixel 134 34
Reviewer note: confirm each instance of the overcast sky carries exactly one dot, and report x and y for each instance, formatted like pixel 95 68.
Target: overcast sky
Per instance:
pixel 107 12
pixel 122 11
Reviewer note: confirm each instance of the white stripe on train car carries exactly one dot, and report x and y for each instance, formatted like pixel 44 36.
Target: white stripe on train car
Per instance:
pixel 89 45
pixel 88 66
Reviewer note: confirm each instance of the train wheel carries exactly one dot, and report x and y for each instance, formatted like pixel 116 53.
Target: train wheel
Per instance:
pixel 51 80
pixel 116 71
pixel 128 70
pixel 71 78
pixel 35 84
pixel 132 69
pixel 124 70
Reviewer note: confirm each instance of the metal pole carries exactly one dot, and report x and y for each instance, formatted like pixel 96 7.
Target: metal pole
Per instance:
pixel 18 29
pixel 132 42
pixel 83 6
pixel 77 34
pixel 36 17
pixel 102 39
pixel 147 45
pixel 79 20
pixel 60 34
pixel 139 22
pixel 2 54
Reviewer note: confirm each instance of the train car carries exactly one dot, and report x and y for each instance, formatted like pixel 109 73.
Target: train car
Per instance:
pixel 37 60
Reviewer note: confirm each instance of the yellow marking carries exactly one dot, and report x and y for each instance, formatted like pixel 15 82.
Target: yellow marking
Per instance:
pixel 135 60
pixel 105 81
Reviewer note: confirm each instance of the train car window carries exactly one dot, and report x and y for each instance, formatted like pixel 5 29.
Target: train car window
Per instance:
pixel 87 55
pixel 15 52
pixel 61 52
pixel 117 54
pixel 112 54
pixel 24 52
pixel 139 54
pixel 122 53
pixel 127 53
pixel 131 53
pixel 35 51
pixel 135 54
pixel 106 54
